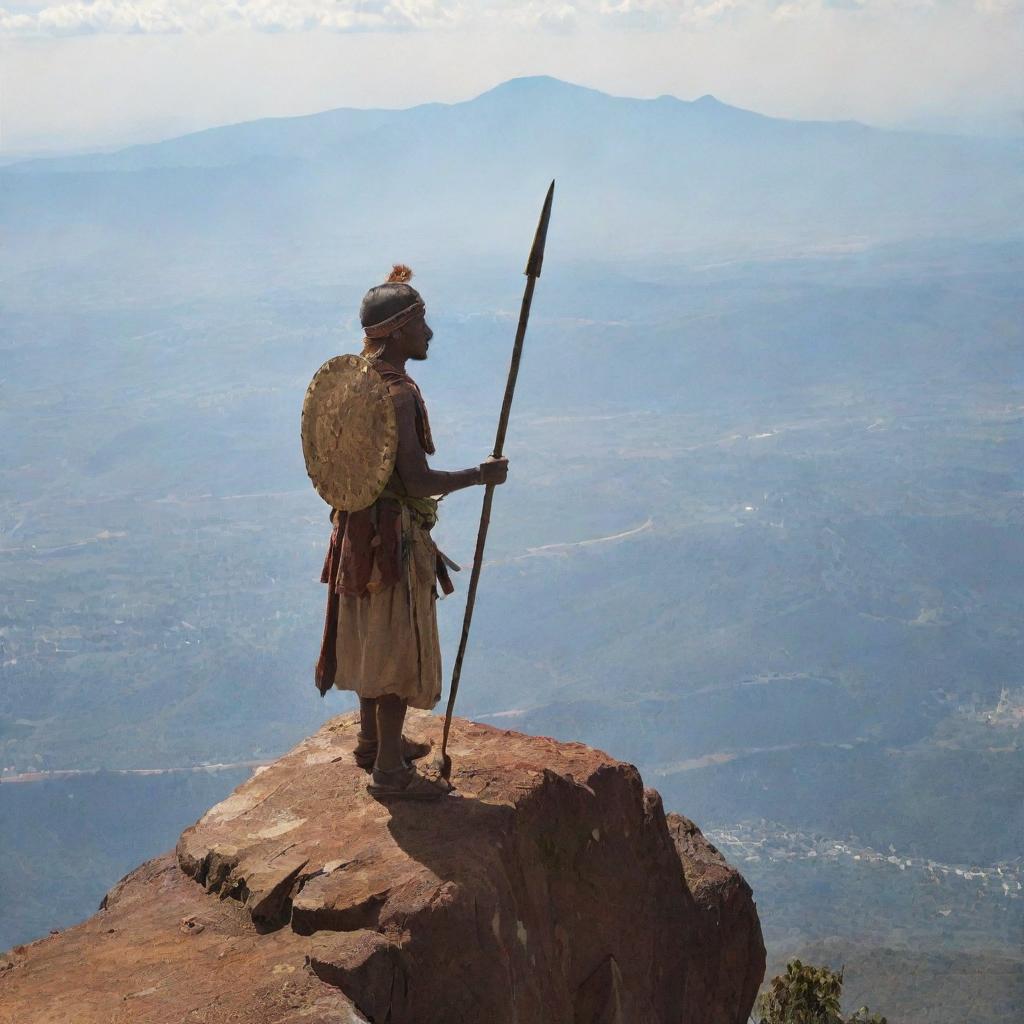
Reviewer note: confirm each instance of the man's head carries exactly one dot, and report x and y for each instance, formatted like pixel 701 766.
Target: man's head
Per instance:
pixel 393 315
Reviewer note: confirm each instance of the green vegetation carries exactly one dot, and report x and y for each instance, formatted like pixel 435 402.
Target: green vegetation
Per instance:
pixel 915 986
pixel 808 995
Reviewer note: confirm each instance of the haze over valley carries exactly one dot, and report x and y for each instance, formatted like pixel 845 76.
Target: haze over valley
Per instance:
pixel 762 533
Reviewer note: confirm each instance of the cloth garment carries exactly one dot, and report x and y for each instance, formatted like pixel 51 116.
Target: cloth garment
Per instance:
pixel 380 627
pixel 369 555
pixel 386 641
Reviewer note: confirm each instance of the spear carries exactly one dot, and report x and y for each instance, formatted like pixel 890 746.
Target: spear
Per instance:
pixel 533 265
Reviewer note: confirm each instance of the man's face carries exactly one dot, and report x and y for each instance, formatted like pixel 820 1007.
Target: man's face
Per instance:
pixel 417 338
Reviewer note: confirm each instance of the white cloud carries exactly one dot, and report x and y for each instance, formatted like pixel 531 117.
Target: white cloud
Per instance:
pixel 156 17
pixel 199 16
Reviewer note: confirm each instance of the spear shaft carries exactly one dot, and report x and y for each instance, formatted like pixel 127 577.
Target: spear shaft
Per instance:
pixel 533 268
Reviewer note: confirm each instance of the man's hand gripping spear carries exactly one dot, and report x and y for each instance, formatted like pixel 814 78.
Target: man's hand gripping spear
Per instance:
pixel 533 267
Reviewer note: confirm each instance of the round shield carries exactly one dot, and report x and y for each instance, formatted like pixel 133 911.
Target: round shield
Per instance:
pixel 349 433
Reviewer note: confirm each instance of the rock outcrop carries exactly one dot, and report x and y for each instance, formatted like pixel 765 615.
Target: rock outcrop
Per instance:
pixel 553 890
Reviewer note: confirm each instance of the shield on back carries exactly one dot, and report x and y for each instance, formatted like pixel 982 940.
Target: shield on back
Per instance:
pixel 349 433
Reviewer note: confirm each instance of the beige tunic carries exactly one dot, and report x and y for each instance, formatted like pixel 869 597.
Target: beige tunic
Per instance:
pixel 387 640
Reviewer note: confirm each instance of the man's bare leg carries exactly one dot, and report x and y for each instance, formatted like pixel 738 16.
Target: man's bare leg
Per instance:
pixel 367 741
pixel 390 718
pixel 393 776
pixel 368 719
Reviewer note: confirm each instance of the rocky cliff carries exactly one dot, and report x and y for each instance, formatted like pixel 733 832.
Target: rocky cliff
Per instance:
pixel 552 890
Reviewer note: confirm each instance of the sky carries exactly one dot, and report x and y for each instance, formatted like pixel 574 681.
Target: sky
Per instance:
pixel 81 75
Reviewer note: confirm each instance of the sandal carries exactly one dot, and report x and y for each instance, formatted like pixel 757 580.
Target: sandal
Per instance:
pixel 366 751
pixel 405 784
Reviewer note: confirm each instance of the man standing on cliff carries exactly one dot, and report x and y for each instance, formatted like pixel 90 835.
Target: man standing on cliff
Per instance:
pixel 380 635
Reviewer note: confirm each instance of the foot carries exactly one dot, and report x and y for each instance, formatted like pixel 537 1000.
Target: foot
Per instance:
pixel 405 784
pixel 366 751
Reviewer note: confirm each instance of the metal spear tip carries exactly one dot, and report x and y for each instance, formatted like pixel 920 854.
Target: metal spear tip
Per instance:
pixel 536 260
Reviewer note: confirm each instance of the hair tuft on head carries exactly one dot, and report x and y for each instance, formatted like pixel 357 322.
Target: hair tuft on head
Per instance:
pixel 400 273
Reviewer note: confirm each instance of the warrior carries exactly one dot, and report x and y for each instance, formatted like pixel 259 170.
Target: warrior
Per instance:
pixel 382 566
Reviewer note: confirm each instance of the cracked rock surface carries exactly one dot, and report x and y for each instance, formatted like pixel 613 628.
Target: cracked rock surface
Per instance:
pixel 551 890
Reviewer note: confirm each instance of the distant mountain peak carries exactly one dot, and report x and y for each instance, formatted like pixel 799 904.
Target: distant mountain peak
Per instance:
pixel 539 85
pixel 534 82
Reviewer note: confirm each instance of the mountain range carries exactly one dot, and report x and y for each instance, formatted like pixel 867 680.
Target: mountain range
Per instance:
pixel 636 176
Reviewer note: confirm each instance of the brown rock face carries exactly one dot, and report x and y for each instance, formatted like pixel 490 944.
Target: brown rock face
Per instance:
pixel 552 891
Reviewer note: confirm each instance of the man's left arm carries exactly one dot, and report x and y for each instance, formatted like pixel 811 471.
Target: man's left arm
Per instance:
pixel 419 479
